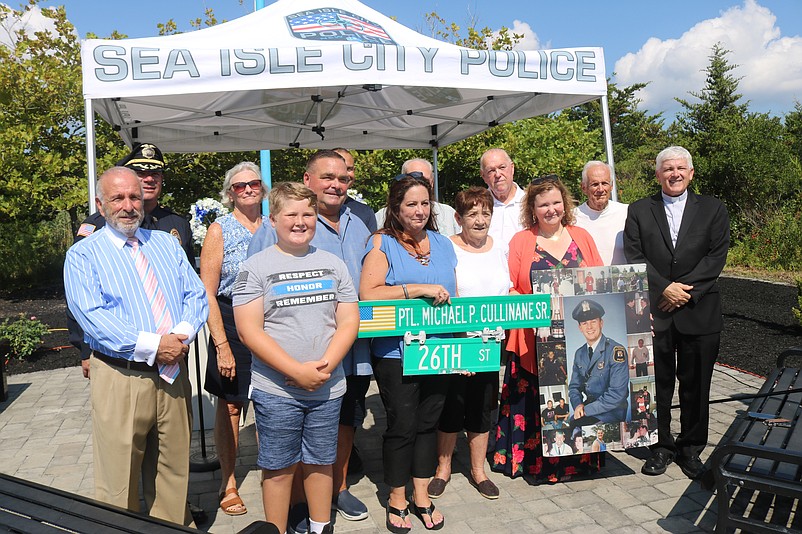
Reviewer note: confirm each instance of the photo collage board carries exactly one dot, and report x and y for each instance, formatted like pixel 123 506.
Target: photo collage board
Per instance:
pixel 600 397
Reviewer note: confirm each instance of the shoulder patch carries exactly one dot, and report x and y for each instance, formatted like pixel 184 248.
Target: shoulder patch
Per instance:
pixel 86 229
pixel 619 354
pixel 175 234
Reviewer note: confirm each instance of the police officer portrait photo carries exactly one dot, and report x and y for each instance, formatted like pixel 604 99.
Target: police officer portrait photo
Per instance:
pixel 597 359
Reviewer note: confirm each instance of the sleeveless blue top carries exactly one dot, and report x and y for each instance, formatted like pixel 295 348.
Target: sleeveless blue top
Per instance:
pixel 236 239
pixel 404 269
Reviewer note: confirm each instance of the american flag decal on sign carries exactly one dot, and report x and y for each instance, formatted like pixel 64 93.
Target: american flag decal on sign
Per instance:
pixel 333 24
pixel 376 318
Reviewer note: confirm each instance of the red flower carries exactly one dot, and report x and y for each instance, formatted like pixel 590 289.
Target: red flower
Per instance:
pixel 570 470
pixel 565 262
pixel 530 444
pixel 499 459
pixel 517 457
pixel 536 257
pixel 523 385
pixel 498 433
pixel 505 410
pixel 520 421
pixel 513 369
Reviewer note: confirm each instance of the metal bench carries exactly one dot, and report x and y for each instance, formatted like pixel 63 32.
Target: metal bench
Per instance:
pixel 758 471
pixel 33 508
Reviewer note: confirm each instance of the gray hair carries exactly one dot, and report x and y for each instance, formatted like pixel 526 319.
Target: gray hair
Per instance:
pixel 233 171
pixel 673 152
pixel 406 164
pixel 590 164
pixel 99 189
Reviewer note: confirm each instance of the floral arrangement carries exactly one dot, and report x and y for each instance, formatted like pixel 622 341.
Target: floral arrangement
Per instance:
pixel 23 335
pixel 356 195
pixel 204 212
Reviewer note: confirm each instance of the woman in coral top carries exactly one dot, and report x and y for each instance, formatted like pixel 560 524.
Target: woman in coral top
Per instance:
pixel 549 241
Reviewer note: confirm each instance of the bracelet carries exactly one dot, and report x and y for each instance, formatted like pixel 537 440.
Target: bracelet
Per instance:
pixel 218 345
pixel 406 293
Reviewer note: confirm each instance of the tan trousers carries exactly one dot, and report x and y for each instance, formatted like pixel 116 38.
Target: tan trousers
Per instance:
pixel 140 424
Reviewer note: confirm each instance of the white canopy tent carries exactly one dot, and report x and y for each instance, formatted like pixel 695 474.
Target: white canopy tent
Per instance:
pixel 321 74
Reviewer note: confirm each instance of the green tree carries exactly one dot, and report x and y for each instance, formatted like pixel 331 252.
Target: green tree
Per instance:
pixel 743 158
pixel 793 124
pixel 43 161
pixel 636 135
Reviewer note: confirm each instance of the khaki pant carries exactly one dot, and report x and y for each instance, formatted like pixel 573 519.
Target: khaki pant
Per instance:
pixel 140 424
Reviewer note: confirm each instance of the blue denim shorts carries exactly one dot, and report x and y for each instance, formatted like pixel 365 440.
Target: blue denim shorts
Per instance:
pixel 292 430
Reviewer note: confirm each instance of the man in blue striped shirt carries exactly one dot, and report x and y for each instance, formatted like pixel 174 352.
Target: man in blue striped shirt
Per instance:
pixel 133 409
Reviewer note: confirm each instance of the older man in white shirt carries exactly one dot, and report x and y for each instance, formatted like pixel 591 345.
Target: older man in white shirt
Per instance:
pixel 603 218
pixel 498 172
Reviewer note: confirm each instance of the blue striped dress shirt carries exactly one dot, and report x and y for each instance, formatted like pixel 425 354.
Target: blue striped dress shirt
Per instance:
pixel 105 293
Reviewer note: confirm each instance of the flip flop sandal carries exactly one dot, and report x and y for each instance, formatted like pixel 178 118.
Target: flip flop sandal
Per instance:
pixel 230 499
pixel 395 529
pixel 428 510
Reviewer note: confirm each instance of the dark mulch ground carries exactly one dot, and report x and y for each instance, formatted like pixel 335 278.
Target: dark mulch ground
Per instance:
pixel 758 325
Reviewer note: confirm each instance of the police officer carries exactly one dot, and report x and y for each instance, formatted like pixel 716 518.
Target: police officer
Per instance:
pixel 600 375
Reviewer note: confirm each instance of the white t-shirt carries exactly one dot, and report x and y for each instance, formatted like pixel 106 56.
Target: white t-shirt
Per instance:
pixel 482 273
pixel 606 227
pixel 506 221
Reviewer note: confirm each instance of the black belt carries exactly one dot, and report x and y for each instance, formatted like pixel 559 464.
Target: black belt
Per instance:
pixel 124 364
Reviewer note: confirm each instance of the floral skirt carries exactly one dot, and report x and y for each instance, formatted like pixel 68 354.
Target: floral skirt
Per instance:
pixel 518 448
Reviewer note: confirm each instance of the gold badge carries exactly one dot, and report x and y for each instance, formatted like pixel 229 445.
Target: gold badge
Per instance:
pixel 585 306
pixel 619 354
pixel 148 151
pixel 175 234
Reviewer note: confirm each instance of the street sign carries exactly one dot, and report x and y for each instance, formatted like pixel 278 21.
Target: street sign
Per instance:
pixel 451 355
pixel 383 318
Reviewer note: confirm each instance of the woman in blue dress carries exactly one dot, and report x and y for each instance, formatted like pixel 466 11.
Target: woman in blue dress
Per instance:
pixel 228 369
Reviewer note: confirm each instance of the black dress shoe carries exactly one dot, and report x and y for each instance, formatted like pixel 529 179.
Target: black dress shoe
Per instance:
pixel 656 465
pixel 692 466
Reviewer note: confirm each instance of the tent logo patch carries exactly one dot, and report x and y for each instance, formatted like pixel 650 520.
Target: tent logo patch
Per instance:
pixel 333 24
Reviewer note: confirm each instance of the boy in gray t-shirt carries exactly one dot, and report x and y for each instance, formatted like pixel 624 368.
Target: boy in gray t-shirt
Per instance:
pixel 296 309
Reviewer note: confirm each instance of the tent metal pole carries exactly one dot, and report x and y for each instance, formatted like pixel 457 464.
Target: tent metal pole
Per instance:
pixel 436 178
pixel 608 144
pixel 91 163
pixel 264 155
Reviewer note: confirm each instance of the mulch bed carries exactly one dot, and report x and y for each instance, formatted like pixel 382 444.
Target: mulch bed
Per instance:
pixel 758 325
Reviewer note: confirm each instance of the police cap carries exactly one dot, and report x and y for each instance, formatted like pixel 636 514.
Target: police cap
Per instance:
pixel 587 310
pixel 143 157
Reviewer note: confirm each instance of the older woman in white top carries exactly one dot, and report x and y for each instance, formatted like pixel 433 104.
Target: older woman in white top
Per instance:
pixel 481 271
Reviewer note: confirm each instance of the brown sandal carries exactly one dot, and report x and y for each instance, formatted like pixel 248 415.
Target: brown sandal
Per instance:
pixel 231 499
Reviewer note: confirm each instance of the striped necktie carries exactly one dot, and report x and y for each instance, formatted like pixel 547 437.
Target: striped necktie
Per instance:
pixel 161 314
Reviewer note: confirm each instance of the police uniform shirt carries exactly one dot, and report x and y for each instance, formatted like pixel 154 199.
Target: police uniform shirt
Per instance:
pixel 601 383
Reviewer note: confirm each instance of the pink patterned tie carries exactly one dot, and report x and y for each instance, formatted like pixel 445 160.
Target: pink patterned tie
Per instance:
pixel 164 322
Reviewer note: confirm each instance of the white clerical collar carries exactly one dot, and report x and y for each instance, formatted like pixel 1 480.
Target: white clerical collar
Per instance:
pixel 673 200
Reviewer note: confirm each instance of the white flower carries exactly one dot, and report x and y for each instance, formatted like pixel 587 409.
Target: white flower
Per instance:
pixel 204 212
pixel 356 195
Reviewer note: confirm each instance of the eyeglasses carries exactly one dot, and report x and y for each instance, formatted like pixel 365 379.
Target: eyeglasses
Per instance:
pixel 417 175
pixel 549 178
pixel 239 187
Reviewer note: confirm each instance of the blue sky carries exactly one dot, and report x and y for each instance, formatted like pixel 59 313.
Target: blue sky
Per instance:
pixel 665 43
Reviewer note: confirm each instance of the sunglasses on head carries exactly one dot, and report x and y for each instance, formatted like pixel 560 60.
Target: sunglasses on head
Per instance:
pixel 417 175
pixel 549 178
pixel 239 187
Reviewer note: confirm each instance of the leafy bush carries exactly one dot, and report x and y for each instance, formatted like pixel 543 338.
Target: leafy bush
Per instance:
pixel 773 243
pixel 33 253
pixel 23 335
